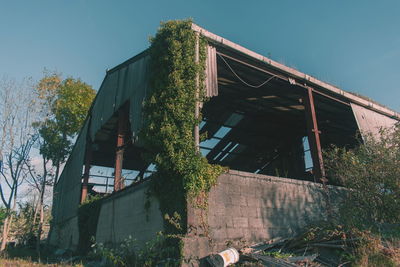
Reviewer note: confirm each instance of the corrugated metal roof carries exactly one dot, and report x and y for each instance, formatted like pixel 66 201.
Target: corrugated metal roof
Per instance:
pixel 293 73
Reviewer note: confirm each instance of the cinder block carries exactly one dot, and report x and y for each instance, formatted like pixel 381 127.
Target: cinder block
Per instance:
pixel 232 210
pixel 253 202
pixel 198 246
pixel 229 222
pixel 234 233
pixel 238 200
pixel 219 234
pixel 214 221
pixel 249 212
pixel 223 198
pixel 240 222
pixel 261 213
pixel 256 223
pixel 219 210
pixel 247 234
pixel 234 189
pixel 267 202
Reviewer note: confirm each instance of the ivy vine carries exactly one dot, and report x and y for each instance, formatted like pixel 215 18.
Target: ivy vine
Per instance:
pixel 88 216
pixel 182 172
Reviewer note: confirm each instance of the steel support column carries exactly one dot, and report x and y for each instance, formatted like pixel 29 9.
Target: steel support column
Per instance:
pixel 313 136
pixel 86 173
pixel 197 96
pixel 119 154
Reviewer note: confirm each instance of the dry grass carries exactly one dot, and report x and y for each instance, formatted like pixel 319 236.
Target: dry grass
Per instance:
pixel 376 252
pixel 26 263
pixel 24 256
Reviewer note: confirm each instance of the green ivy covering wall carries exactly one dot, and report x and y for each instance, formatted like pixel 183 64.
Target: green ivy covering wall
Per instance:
pixel 88 216
pixel 183 174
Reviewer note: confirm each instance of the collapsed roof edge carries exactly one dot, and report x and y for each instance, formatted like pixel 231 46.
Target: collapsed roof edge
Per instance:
pixel 295 73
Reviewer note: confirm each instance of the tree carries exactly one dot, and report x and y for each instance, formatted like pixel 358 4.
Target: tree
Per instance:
pixel 371 172
pixel 39 180
pixel 3 214
pixel 65 105
pixel 23 229
pixel 16 115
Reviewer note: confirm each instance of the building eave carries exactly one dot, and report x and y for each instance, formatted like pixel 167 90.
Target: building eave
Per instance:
pixel 293 73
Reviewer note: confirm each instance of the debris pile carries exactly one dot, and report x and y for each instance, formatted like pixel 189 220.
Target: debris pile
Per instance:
pixel 327 245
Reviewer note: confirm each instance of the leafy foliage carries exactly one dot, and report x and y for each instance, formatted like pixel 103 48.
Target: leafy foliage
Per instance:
pixel 182 173
pixel 348 245
pixel 25 225
pixel 55 146
pixel 66 103
pixel 88 215
pixel 3 214
pixel 372 173
pixel 156 252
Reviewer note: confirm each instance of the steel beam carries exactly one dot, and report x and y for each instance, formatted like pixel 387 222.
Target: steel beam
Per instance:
pixel 197 96
pixel 86 173
pixel 119 154
pixel 294 73
pixel 313 136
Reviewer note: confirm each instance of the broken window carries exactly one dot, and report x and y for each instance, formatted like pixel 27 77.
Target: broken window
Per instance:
pixel 103 159
pixel 257 122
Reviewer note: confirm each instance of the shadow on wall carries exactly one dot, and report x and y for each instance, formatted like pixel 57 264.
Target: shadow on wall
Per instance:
pixel 288 208
pixel 247 208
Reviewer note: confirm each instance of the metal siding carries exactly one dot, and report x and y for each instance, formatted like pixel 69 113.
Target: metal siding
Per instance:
pixel 292 72
pixel 123 88
pixel 104 106
pixel 211 72
pixel 56 203
pixel 110 95
pixel 69 186
pixel 140 89
pixel 369 121
pixel 96 113
pixel 130 82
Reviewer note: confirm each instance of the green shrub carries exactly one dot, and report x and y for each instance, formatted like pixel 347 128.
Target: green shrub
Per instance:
pixel 88 215
pixel 371 172
pixel 182 172
pixel 159 251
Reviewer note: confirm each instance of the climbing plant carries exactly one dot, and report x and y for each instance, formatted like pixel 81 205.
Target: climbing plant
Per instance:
pixel 182 172
pixel 88 215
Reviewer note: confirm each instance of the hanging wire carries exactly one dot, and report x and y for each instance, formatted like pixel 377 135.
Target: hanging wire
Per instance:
pixel 243 81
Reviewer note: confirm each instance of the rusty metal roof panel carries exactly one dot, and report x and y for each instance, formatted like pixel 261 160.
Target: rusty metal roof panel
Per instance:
pixel 293 73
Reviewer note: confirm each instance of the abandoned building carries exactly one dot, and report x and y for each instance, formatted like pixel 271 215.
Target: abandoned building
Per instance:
pixel 268 123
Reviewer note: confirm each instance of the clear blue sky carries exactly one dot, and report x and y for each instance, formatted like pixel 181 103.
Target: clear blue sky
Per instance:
pixel 352 44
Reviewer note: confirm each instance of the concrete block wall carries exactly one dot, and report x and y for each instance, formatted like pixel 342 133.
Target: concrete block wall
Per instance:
pixel 66 234
pixel 243 209
pixel 124 214
pixel 246 208
pixel 121 215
